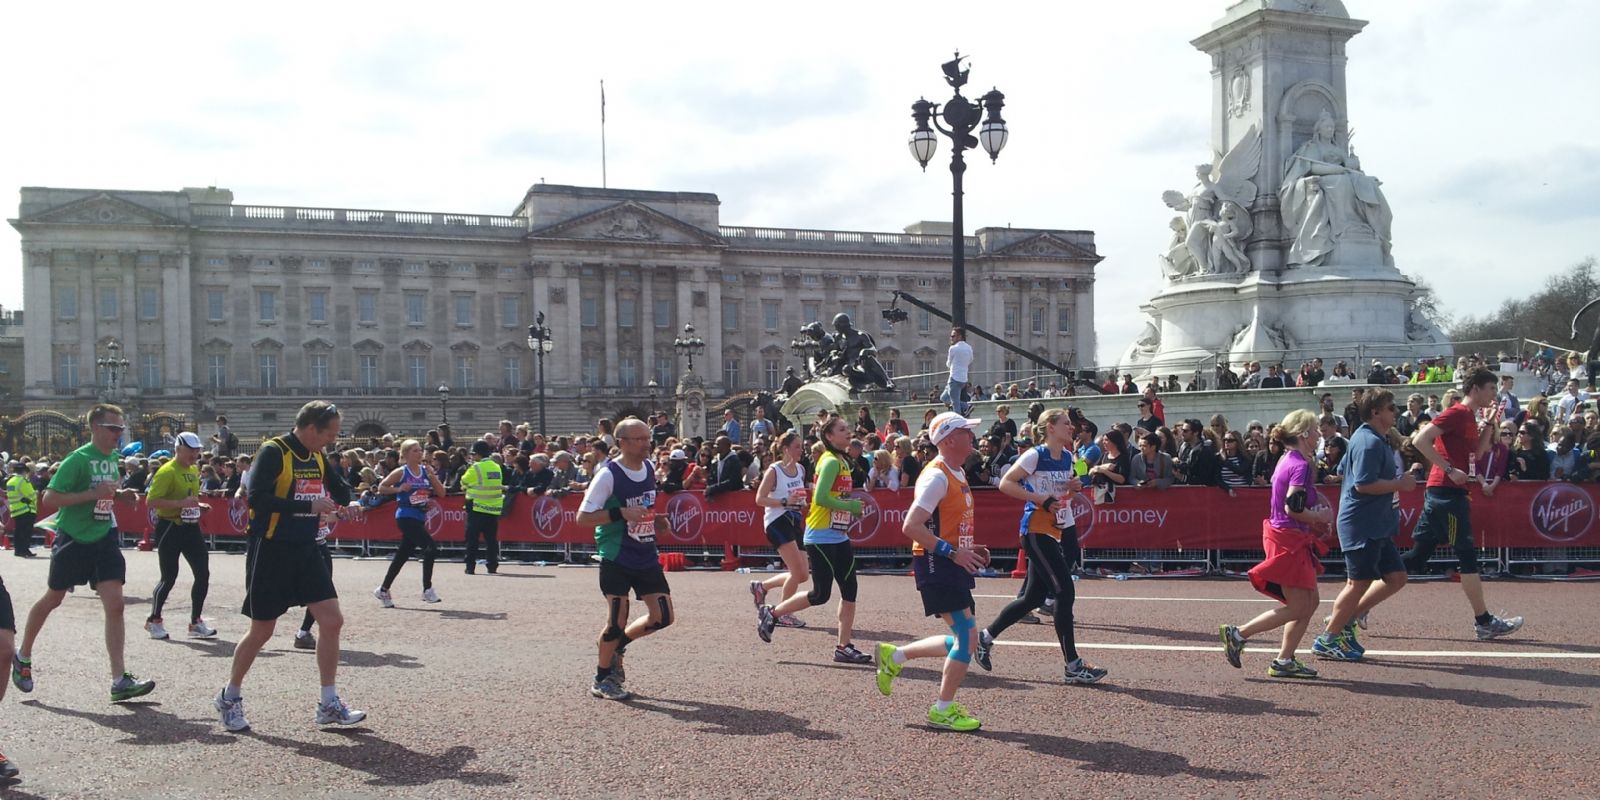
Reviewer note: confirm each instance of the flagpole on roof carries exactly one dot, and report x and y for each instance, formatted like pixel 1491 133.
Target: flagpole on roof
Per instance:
pixel 602 134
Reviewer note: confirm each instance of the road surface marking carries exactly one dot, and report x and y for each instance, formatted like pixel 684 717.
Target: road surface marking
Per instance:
pixel 1156 599
pixel 1193 648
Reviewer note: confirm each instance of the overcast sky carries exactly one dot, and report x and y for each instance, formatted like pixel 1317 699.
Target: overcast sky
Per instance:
pixel 1480 116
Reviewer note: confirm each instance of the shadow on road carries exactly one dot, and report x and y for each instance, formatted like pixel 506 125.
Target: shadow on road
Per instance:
pixel 974 679
pixel 8 787
pixel 145 724
pixel 1548 677
pixel 361 658
pixel 388 763
pixel 1211 704
pixel 732 720
pixel 863 635
pixel 1474 698
pixel 515 575
pixel 217 648
pixel 1115 757
pixel 457 613
pixel 1514 643
pixel 1198 637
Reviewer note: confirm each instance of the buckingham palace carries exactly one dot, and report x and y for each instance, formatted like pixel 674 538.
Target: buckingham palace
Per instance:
pixel 248 310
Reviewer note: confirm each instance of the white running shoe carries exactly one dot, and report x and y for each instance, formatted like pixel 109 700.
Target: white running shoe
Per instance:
pixel 200 630
pixel 156 629
pixel 232 712
pixel 337 713
pixel 429 595
pixel 383 596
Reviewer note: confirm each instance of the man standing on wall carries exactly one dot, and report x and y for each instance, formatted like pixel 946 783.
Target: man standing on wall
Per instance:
pixel 958 359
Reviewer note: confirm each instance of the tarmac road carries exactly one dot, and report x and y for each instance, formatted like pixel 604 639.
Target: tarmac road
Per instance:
pixel 485 695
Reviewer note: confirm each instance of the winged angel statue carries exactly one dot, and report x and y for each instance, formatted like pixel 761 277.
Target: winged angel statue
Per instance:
pixel 1209 238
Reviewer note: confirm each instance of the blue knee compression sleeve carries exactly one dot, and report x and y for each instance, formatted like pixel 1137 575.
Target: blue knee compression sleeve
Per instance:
pixel 961 626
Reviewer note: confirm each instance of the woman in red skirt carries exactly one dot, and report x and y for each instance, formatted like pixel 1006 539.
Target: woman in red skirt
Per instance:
pixel 1293 538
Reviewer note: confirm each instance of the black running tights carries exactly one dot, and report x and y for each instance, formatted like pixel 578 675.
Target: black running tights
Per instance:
pixel 173 540
pixel 1047 574
pixel 414 538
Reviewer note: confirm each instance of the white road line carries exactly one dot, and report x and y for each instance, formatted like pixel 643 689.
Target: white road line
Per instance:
pixel 1192 648
pixel 1155 599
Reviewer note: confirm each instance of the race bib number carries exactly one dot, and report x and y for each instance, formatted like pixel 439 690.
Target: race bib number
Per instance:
pixel 102 510
pixel 799 497
pixel 189 514
pixel 966 541
pixel 840 520
pixel 645 529
pixel 307 489
pixel 1064 513
pixel 419 497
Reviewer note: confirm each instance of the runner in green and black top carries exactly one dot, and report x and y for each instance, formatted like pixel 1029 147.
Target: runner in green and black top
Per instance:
pixel 85 489
pixel 620 504
pixel 290 488
pixel 174 496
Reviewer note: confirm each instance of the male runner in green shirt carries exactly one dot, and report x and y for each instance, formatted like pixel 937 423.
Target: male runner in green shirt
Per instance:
pixel 85 488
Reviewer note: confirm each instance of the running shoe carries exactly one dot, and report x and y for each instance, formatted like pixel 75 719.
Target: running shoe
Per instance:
pixel 848 654
pixel 21 674
pixel 765 622
pixel 1497 627
pixel 1047 609
pixel 1083 673
pixel 8 770
pixel 609 688
pixel 981 650
pixel 617 672
pixel 887 669
pixel 303 640
pixel 231 711
pixel 336 712
pixel 430 596
pixel 128 687
pixel 156 629
pixel 791 621
pixel 1361 621
pixel 954 718
pixel 1295 668
pixel 759 591
pixel 1031 619
pixel 200 630
pixel 384 598
pixel 1232 645
pixel 1334 648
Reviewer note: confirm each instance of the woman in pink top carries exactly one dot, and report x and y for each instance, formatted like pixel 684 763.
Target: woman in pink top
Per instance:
pixel 1292 536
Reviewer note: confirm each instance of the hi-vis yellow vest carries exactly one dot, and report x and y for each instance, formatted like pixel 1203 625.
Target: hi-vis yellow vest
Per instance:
pixel 484 487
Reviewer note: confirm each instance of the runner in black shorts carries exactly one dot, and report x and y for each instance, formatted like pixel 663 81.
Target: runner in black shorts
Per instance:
pixel 86 548
pixel 783 496
pixel 8 650
pixel 303 640
pixel 620 504
pixel 290 488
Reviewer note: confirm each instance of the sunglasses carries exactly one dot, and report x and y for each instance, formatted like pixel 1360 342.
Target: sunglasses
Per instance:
pixel 110 427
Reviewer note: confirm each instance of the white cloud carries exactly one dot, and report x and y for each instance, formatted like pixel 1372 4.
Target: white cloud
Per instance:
pixel 1479 116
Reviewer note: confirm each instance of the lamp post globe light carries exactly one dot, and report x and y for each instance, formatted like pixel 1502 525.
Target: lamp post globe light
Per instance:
pixel 444 404
pixel 961 117
pixel 540 343
pixel 689 344
pixel 653 386
pixel 112 365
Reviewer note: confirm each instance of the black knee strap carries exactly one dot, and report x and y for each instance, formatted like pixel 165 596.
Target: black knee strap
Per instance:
pixel 666 615
pixel 613 631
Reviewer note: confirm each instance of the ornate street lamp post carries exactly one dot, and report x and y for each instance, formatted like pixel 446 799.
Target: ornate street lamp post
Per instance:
pixel 444 404
pixel 961 115
pixel 689 344
pixel 112 366
pixel 540 343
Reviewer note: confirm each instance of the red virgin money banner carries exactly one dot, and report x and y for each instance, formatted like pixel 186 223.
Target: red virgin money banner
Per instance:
pixel 1190 518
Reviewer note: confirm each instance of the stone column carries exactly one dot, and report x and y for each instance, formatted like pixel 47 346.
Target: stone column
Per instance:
pixel 645 308
pixel 713 335
pixel 553 372
pixel 174 313
pixel 608 321
pixel 185 311
pixel 39 322
pixel 88 319
pixel 126 326
pixel 1083 323
pixel 571 348
pixel 683 277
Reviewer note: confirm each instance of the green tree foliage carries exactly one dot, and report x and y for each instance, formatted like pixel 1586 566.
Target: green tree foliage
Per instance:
pixel 1545 315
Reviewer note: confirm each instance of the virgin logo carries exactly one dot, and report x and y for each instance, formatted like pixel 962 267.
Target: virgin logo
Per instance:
pixel 1561 512
pixel 434 520
pixel 239 514
pixel 866 525
pixel 546 517
pixel 686 515
pixel 1082 515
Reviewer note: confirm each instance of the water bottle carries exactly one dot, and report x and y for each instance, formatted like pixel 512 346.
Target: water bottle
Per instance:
pixel 1121 576
pixel 742 571
pixel 1074 578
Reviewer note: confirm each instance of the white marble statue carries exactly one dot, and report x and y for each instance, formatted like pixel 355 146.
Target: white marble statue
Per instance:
pixel 1326 198
pixel 1228 180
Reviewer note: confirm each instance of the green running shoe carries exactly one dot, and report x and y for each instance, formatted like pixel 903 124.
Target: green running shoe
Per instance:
pixel 1232 645
pixel 1294 669
pixel 887 669
pixel 954 718
pixel 22 673
pixel 128 687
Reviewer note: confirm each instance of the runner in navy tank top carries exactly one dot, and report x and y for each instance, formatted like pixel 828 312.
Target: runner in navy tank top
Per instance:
pixel 413 486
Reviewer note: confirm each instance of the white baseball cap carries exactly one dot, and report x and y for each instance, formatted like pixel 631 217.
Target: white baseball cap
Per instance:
pixel 947 423
pixel 188 439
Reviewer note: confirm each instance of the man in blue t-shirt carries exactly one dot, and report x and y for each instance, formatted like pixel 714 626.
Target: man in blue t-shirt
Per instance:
pixel 1369 517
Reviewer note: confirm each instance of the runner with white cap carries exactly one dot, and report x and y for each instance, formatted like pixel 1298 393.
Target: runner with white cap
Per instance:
pixel 945 556
pixel 175 497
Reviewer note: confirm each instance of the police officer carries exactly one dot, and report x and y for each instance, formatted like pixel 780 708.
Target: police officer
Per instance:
pixel 484 484
pixel 23 502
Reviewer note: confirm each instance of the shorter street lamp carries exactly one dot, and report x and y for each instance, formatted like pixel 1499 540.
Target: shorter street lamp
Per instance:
pixel 444 404
pixel 113 366
pixel 653 386
pixel 540 342
pixel 689 344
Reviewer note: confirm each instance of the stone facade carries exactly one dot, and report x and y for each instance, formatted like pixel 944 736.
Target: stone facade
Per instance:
pixel 251 310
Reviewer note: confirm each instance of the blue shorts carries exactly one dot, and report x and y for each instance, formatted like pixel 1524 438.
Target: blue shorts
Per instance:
pixel 1379 557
